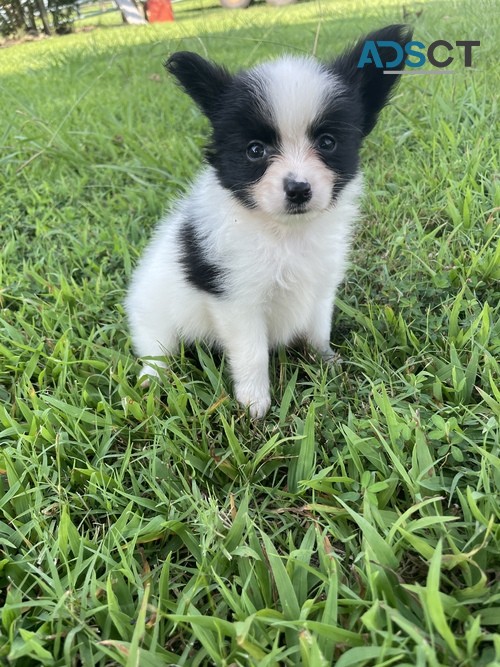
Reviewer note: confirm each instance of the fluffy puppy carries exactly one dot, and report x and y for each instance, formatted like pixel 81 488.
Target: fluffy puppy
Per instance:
pixel 253 256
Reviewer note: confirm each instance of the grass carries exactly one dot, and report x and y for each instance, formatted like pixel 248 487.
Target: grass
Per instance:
pixel 358 524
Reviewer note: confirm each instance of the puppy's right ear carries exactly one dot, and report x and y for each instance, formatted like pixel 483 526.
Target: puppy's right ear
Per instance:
pixel 204 81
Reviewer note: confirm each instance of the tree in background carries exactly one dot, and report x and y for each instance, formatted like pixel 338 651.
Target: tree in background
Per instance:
pixel 35 16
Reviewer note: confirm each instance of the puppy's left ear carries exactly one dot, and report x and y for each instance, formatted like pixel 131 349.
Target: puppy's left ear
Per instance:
pixel 360 68
pixel 204 81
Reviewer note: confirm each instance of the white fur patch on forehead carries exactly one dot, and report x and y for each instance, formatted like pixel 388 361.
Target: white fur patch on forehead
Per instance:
pixel 295 90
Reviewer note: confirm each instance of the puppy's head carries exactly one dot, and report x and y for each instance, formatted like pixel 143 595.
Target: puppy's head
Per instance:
pixel 287 133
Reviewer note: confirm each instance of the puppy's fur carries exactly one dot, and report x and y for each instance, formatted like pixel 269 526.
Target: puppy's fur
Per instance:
pixel 253 256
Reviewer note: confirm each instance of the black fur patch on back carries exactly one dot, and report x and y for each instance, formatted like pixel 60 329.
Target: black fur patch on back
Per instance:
pixel 198 269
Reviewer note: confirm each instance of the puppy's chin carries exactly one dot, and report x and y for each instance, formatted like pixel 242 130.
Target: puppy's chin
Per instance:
pixel 277 208
pixel 282 211
pixel 297 209
pixel 289 217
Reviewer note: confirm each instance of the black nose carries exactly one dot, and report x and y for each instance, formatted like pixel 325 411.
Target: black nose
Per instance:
pixel 297 192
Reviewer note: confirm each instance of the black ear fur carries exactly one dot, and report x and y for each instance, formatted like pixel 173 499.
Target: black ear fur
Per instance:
pixel 204 81
pixel 374 87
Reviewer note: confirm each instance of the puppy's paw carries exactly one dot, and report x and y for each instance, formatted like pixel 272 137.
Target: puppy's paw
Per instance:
pixel 148 373
pixel 331 357
pixel 259 409
pixel 258 403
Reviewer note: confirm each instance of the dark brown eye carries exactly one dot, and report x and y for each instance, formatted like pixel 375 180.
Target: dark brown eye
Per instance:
pixel 326 143
pixel 256 150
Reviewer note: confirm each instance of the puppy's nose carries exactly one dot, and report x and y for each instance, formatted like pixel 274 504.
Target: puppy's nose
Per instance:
pixel 297 192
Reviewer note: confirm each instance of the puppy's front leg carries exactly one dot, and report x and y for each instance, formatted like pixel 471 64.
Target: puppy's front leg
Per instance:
pixel 244 338
pixel 319 329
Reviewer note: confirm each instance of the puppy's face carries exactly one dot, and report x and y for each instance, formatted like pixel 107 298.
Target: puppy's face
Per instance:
pixel 284 141
pixel 286 134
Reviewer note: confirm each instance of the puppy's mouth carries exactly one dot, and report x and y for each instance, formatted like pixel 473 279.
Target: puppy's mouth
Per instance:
pixel 297 209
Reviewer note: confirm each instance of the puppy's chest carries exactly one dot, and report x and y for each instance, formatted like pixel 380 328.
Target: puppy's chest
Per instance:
pixel 293 266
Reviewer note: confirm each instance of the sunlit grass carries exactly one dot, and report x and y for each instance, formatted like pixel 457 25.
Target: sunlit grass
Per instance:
pixel 358 524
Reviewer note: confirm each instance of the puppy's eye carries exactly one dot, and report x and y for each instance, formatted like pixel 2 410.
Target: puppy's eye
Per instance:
pixel 326 143
pixel 256 150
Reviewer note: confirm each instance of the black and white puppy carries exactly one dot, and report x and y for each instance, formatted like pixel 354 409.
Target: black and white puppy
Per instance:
pixel 253 256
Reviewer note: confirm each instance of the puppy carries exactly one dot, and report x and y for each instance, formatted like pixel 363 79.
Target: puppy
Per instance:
pixel 253 256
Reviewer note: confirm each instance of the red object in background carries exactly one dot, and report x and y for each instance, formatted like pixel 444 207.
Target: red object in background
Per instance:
pixel 159 11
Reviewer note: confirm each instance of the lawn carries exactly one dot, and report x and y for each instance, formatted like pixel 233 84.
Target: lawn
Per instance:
pixel 358 524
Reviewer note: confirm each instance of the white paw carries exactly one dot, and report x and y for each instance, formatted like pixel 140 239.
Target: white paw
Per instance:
pixel 149 372
pixel 329 356
pixel 258 404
